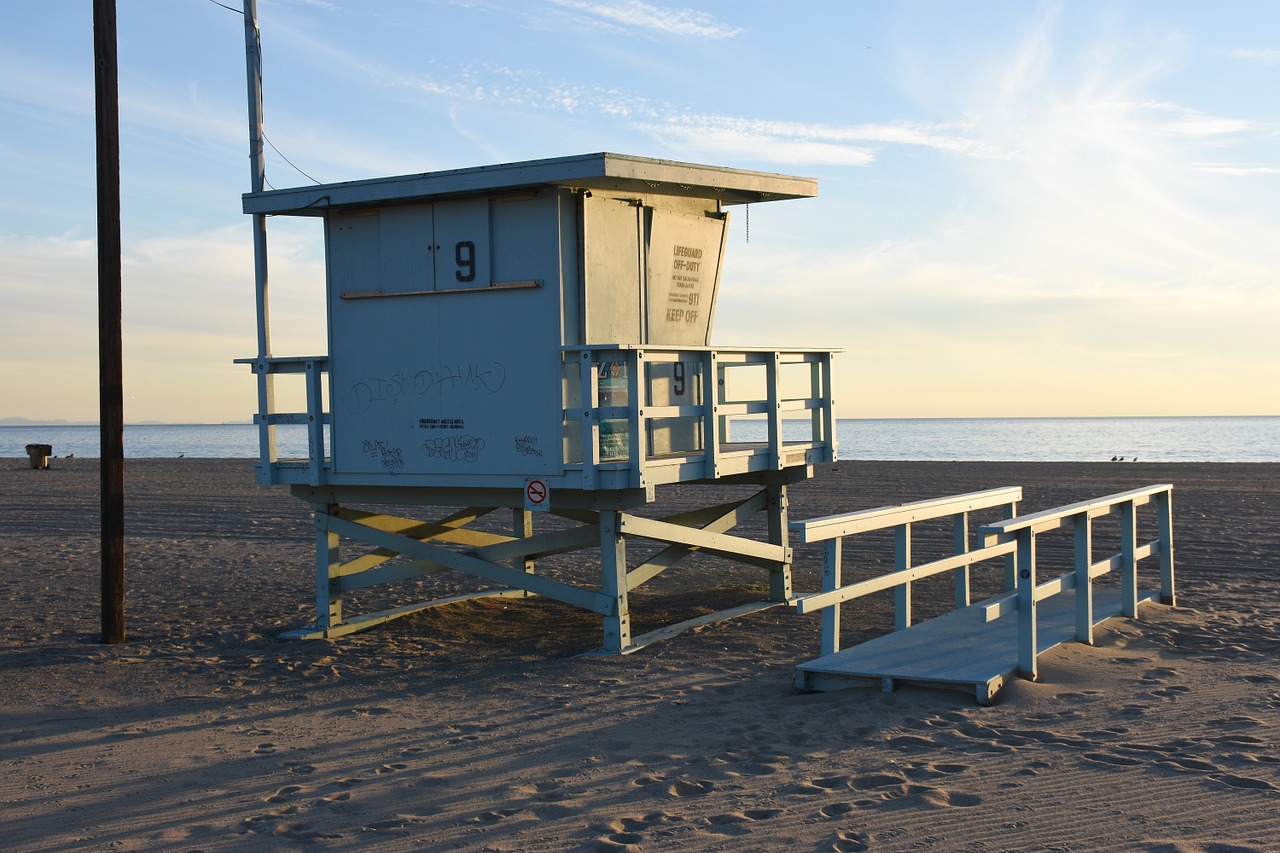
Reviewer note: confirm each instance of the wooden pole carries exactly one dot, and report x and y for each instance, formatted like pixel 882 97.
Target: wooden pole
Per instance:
pixel 110 352
pixel 257 171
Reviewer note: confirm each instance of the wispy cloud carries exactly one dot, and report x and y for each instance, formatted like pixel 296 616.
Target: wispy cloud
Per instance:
pixel 1183 121
pixel 1235 169
pixel 815 143
pixel 638 15
pixel 1262 57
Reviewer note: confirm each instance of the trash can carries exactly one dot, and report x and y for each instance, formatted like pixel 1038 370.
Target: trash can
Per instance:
pixel 39 454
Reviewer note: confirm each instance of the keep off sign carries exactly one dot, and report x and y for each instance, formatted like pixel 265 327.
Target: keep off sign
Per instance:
pixel 537 495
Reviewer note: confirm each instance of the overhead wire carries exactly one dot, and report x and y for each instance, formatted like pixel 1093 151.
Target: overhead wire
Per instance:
pixel 264 133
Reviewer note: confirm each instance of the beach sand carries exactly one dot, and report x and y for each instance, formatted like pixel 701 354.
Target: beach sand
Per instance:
pixel 478 727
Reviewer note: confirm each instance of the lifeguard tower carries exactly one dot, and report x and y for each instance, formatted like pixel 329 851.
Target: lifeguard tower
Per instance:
pixel 535 338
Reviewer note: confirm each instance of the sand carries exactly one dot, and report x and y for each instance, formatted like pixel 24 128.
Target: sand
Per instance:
pixel 478 726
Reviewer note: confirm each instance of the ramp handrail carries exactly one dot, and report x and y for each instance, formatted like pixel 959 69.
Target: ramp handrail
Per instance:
pixel 1021 533
pixel 831 529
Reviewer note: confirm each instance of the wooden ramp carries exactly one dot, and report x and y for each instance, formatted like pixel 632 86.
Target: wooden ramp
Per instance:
pixel 959 650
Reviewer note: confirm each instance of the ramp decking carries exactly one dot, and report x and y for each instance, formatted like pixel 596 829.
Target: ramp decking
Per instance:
pixel 958 650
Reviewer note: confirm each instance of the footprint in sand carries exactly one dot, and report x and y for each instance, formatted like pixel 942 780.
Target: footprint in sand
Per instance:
pixel 1243 782
pixel 298 832
pixel 1173 691
pixel 872 781
pixel 1193 765
pixel 836 810
pixel 921 796
pixel 831 783
pixel 690 788
pixel 283 794
pixel 394 822
pixel 626 831
pixel 1113 760
pixel 850 841
pixel 728 824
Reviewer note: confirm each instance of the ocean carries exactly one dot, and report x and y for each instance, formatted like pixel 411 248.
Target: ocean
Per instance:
pixel 1189 439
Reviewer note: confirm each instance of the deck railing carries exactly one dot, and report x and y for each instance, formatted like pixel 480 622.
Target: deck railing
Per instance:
pixel 635 415
pixel 830 530
pixel 1021 532
pixel 314 418
pixel 638 415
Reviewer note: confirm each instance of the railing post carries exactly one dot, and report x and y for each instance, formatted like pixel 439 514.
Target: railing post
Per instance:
pixel 713 426
pixel 773 375
pixel 1026 562
pixel 1011 561
pixel 637 398
pixel 960 539
pixel 315 422
pixel 1164 514
pixel 590 399
pixel 266 429
pixel 1084 578
pixel 831 554
pixel 1128 559
pixel 902 592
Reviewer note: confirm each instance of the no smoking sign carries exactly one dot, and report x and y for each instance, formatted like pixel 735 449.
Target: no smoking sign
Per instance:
pixel 537 494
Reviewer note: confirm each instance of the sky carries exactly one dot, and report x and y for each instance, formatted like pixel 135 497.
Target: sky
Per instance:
pixel 1024 209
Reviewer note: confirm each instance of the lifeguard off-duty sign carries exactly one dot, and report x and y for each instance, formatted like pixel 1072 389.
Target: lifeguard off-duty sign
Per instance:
pixel 537 494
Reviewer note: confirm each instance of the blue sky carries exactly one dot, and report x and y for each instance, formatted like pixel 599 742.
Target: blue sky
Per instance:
pixel 1025 209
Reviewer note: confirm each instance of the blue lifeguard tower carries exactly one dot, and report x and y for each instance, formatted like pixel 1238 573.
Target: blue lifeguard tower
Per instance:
pixel 535 337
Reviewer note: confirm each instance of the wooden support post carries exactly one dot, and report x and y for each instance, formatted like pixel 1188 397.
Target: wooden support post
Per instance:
pixel 110 346
pixel 779 575
pixel 1128 559
pixel 522 524
pixel 1026 563
pixel 1164 511
pixel 902 592
pixel 1084 578
pixel 960 541
pixel 831 555
pixel 613 582
pixel 328 599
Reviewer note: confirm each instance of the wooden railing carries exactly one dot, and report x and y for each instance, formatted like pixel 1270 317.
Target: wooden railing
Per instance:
pixel 1021 532
pixel 831 529
pixel 312 369
pixel 1014 539
pixel 653 414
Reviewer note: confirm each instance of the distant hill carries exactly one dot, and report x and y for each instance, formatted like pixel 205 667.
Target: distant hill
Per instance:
pixel 44 422
pixel 39 422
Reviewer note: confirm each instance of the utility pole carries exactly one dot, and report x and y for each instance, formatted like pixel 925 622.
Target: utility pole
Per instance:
pixel 110 351
pixel 257 172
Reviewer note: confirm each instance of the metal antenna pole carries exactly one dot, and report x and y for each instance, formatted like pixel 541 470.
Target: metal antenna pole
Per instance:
pixel 110 349
pixel 266 381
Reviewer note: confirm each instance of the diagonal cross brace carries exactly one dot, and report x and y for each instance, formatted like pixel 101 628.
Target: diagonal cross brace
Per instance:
pixel 576 596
